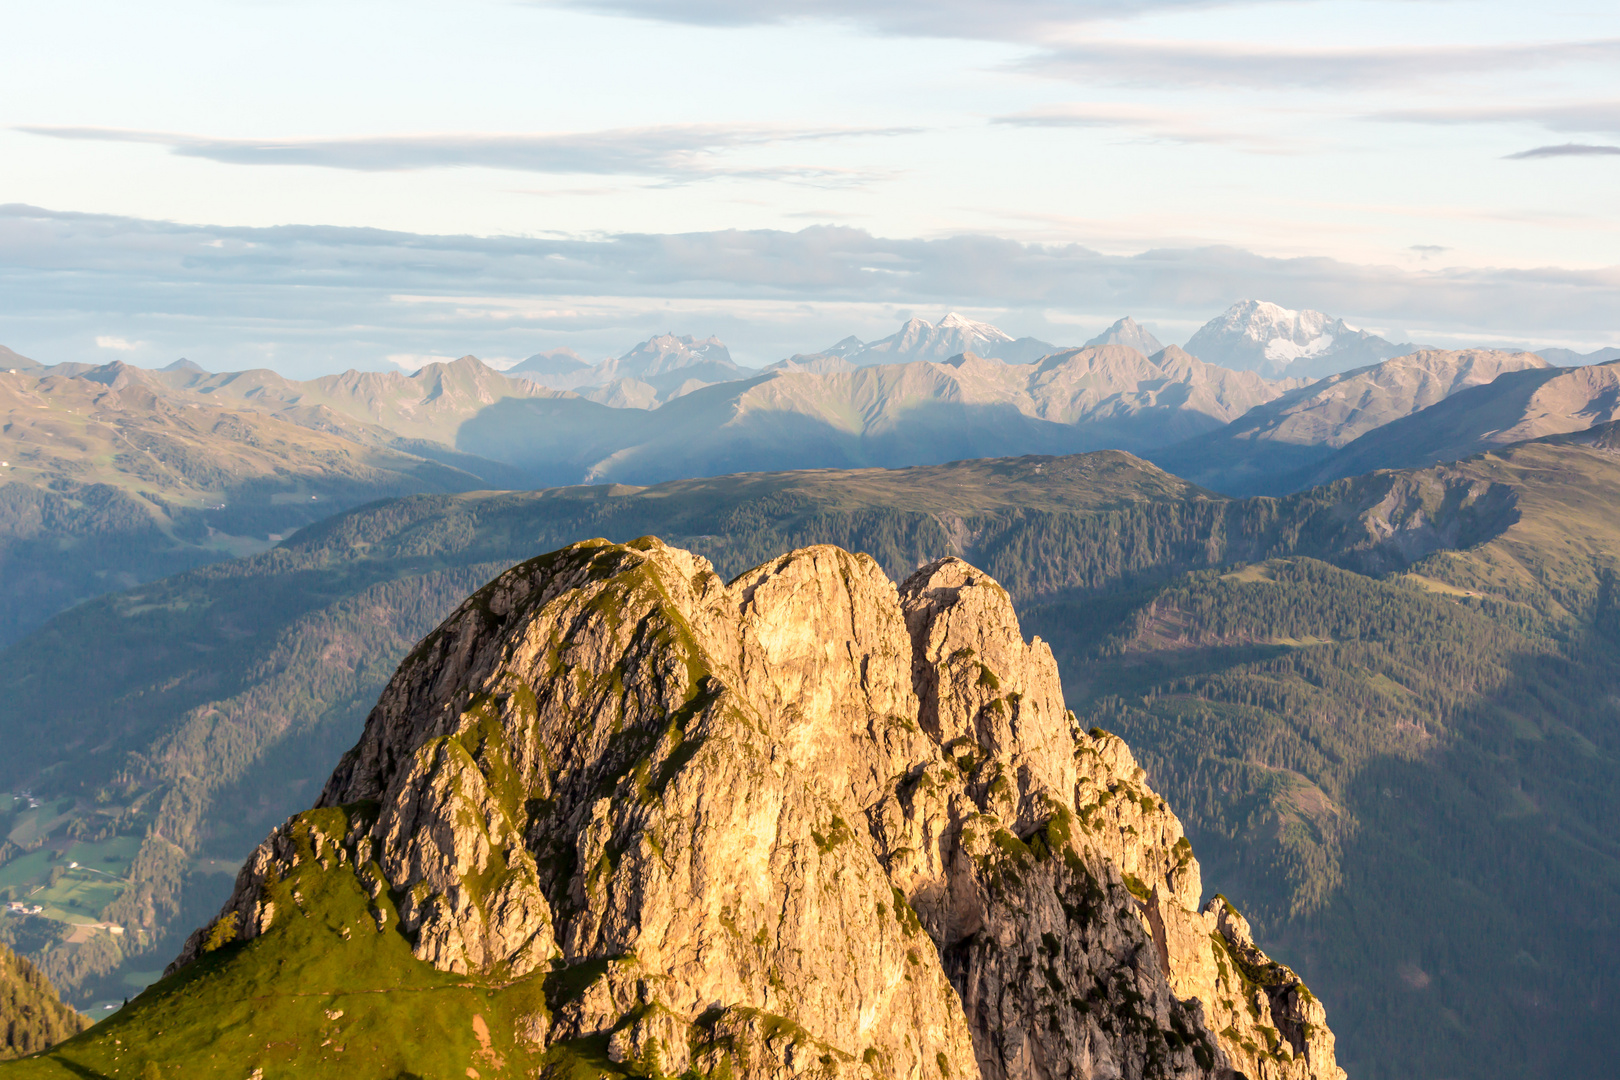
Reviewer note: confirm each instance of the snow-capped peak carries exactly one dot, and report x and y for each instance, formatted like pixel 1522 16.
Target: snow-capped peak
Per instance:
pixel 984 331
pixel 1261 336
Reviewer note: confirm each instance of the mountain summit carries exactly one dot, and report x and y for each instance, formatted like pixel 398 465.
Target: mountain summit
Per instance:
pixel 1127 331
pixel 952 336
pixel 617 816
pixel 1254 335
pixel 658 369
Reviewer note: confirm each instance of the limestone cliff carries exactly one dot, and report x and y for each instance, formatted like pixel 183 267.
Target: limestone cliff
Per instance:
pixel 802 823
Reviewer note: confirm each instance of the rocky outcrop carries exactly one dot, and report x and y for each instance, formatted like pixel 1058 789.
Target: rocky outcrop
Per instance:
pixel 802 823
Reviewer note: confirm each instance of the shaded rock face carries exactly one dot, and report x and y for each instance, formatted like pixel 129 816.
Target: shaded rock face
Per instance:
pixel 804 822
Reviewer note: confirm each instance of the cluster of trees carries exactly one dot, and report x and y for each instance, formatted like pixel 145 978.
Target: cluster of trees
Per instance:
pixel 31 1016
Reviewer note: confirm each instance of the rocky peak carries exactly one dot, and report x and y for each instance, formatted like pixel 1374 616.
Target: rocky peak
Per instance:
pixel 1128 331
pixel 667 352
pixel 1255 335
pixel 806 821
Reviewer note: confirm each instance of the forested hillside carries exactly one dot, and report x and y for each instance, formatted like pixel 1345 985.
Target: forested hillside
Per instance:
pixel 1413 782
pixel 32 1017
pixel 1268 697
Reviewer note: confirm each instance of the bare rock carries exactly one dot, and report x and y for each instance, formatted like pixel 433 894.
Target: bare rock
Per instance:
pixel 805 823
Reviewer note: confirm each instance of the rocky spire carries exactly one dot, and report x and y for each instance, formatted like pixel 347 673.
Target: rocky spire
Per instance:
pixel 804 822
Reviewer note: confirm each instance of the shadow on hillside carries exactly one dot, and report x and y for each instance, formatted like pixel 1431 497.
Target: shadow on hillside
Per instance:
pixel 706 433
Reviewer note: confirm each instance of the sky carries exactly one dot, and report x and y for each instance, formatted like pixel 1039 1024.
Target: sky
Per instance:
pixel 316 186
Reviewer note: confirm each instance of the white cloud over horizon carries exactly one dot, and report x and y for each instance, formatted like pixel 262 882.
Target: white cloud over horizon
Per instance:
pixel 311 299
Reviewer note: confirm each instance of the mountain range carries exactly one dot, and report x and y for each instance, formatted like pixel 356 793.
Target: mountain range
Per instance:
pixel 1519 405
pixel 1384 683
pixel 650 374
pixel 116 475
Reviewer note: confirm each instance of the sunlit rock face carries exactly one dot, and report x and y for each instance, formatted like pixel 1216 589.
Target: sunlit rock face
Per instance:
pixel 802 822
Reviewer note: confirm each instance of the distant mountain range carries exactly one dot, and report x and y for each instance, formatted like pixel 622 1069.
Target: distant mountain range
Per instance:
pixel 676 406
pixel 112 475
pixel 656 371
pixel 1249 336
pixel 1571 358
pixel 824 412
pixel 951 336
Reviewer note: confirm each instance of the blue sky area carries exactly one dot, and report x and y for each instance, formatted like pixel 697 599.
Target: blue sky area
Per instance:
pixel 317 186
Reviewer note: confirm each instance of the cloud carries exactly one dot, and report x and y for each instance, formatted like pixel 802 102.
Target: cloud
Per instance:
pixel 1161 63
pixel 307 299
pixel 673 153
pixel 1174 125
pixel 1569 116
pixel 116 343
pixel 1564 150
pixel 1005 20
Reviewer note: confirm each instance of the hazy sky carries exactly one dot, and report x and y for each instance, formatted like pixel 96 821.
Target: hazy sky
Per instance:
pixel 313 186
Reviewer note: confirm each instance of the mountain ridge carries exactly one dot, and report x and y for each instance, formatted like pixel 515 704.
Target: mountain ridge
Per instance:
pixel 1259 452
pixel 107 478
pixel 1516 407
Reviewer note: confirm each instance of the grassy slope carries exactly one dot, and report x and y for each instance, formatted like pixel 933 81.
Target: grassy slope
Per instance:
pixel 323 995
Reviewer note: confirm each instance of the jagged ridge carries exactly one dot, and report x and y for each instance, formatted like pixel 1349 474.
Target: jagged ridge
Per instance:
pixel 802 823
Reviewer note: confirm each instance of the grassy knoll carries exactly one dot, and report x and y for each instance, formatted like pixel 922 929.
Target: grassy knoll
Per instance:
pixel 323 994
